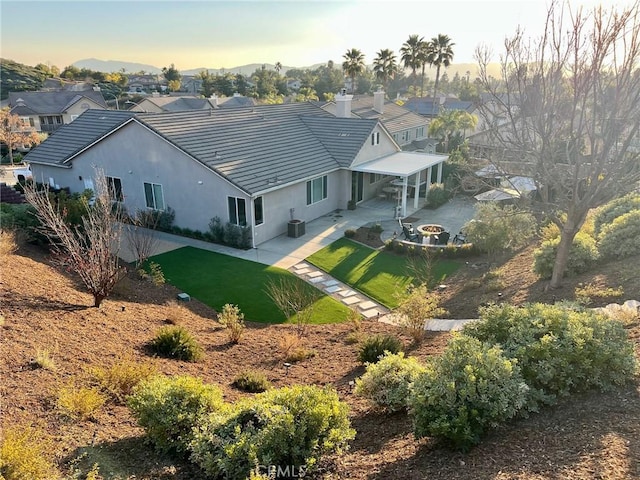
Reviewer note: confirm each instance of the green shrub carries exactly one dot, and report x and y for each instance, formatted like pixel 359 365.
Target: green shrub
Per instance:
pixel 233 321
pixel 252 382
pixel 18 217
pixel 287 426
pixel 437 195
pixel 467 390
pixel 559 349
pixel 373 347
pixel 169 408
pixel 497 229
pixel 621 237
pixel 157 219
pixel 232 234
pixel 614 209
pixel 176 342
pixel 24 454
pixel 216 230
pixel 349 233
pixel 376 228
pixel 585 294
pixel 582 255
pixel 387 382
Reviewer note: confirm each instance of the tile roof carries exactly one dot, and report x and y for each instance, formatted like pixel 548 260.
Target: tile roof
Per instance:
pixel 428 107
pixel 254 148
pixel 50 103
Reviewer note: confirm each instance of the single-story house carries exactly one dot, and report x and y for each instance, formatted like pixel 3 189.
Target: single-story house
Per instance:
pixel 48 111
pixel 258 166
pixel 181 103
pixel 431 107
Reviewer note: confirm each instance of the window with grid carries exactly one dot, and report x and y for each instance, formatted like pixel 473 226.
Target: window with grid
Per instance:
pixel 237 211
pixel 316 190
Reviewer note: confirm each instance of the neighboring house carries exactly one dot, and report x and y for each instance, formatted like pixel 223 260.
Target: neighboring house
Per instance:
pixel 183 103
pixel 191 84
pixel 408 129
pixel 48 111
pixel 258 166
pixel 146 83
pixel 294 85
pixel 430 108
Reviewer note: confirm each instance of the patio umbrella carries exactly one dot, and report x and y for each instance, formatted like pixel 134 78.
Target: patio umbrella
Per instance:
pixel 519 183
pixel 497 195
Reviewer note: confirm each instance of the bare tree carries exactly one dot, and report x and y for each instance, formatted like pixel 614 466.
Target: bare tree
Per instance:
pixel 15 134
pixel 141 236
pixel 90 249
pixel 294 297
pixel 568 115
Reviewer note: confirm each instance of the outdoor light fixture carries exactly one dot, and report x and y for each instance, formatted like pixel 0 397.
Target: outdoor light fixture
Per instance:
pixel 287 365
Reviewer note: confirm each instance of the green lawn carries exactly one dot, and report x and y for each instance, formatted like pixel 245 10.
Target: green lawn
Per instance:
pixel 377 274
pixel 217 279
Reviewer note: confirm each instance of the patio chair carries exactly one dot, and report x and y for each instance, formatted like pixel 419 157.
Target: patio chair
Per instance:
pixel 443 238
pixel 409 233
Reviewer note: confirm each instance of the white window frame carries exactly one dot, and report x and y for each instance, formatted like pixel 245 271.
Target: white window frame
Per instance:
pixel 236 204
pixel 375 138
pixel 310 189
pixel 154 195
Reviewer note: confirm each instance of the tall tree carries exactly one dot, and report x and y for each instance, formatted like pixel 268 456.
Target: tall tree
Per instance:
pixel 449 123
pixel 278 67
pixel 572 104
pixel 14 133
pixel 385 66
pixel 171 73
pixel 410 55
pixel 353 65
pixel 439 53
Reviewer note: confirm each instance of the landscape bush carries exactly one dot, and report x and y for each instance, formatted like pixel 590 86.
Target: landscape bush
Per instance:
pixel 233 321
pixel 437 195
pixel 585 294
pixel 621 237
pixel 464 392
pixel 559 348
pixel 386 383
pixel 216 230
pixel 415 308
pixel 18 217
pixel 496 229
pixel 349 233
pixel 252 382
pixel 25 454
pixel 614 209
pixel 77 402
pixel 375 346
pixel 168 408
pixel 176 342
pixel 582 256
pixel 119 379
pixel 290 426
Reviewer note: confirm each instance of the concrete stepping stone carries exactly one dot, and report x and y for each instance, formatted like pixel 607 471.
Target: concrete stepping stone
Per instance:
pixel 302 271
pixel 329 283
pixel 302 265
pixel 333 289
pixel 348 293
pixel 314 274
pixel 373 312
pixel 367 305
pixel 351 300
pixel 317 280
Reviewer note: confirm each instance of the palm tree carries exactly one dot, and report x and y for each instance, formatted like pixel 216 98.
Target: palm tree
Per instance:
pixel 278 67
pixel 353 65
pixel 411 57
pixel 385 66
pixel 439 53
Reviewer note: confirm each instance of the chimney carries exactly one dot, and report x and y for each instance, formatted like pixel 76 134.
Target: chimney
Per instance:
pixel 213 100
pixel 343 104
pixel 378 101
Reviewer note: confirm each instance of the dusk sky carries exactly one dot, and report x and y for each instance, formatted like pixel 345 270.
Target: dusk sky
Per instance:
pixel 216 34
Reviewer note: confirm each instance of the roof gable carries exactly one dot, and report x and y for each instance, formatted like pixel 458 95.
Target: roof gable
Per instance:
pixel 53 103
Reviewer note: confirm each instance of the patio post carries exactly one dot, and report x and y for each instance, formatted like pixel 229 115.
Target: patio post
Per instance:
pixel 440 172
pixel 429 171
pixel 404 195
pixel 416 191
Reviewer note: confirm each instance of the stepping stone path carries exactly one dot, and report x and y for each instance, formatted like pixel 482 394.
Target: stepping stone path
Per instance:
pixel 367 307
pixel 360 302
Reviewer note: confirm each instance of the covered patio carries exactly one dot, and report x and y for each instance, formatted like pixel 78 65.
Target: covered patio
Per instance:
pixel 413 169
